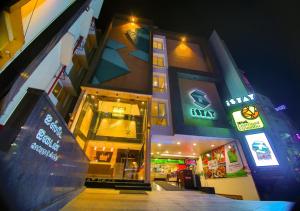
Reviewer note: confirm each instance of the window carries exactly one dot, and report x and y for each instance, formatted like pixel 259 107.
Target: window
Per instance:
pixel 158 61
pixel 158 44
pixel 159 83
pixel 158 113
pixel 60 93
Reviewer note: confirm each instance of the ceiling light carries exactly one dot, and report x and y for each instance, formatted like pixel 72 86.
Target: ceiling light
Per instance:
pixel 194 144
pixel 157 153
pixel 178 143
pixel 207 155
pixel 229 147
pixel 179 152
pixel 194 153
pixel 159 145
pixel 118 99
pixel 103 148
pixel 152 153
pixel 167 151
pixel 176 155
pixel 212 145
pixel 111 149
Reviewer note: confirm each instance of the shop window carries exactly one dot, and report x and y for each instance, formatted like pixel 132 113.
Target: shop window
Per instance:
pixel 159 83
pixel 159 114
pixel 158 61
pixel 158 44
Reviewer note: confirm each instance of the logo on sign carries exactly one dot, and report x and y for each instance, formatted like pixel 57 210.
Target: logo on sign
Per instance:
pixel 247 119
pixel 201 100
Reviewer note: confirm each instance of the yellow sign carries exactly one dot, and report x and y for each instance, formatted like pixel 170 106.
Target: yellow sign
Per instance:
pixel 247 119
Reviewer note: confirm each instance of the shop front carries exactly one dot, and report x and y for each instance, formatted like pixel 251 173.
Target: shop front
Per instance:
pixel 111 128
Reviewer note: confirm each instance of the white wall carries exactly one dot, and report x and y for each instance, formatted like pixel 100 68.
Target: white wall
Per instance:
pixel 42 16
pixel 43 76
pixel 96 5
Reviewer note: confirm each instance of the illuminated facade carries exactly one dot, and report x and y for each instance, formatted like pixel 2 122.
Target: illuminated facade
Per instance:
pixel 142 104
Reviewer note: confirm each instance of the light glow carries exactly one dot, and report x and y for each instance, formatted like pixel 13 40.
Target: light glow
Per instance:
pixel 261 150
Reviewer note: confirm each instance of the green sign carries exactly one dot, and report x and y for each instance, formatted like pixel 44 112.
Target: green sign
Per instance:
pixel 166 161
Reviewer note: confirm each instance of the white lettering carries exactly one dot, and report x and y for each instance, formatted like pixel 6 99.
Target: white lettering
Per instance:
pixel 239 100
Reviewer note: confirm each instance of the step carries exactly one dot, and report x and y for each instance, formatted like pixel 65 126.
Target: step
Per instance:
pixel 132 187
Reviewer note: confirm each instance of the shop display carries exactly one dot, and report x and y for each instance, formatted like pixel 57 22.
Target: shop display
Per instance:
pixel 223 162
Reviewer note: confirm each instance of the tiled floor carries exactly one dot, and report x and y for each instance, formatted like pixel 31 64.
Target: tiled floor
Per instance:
pixel 109 199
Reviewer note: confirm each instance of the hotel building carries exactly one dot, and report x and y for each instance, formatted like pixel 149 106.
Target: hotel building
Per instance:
pixel 126 107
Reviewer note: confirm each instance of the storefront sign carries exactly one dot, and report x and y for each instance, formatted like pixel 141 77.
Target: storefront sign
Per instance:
pixel 240 100
pixel 190 162
pixel 261 150
pixel 280 108
pixel 166 161
pixel 48 138
pixel 298 136
pixel 104 156
pixel 247 119
pixel 203 104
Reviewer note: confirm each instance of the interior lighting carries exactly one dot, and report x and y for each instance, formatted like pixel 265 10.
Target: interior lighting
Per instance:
pixel 103 148
pixel 132 19
pixel 183 39
pixel 167 152
pixel 111 149
pixel 143 102
pixel 207 155
pixel 157 153
pixel 194 144
pixel 212 145
pixel 159 145
pixel 194 153
pixel 179 152
pixel 152 153
pixel 118 100
pixel 229 147
pixel 178 143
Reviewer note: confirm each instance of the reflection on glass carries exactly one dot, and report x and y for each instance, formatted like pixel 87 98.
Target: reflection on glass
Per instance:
pixel 112 133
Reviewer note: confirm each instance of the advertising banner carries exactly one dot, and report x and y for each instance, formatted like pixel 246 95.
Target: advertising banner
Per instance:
pixel 247 119
pixel 223 162
pixel 261 150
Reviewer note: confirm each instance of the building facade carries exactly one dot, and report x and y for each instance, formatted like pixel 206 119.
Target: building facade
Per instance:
pixel 141 104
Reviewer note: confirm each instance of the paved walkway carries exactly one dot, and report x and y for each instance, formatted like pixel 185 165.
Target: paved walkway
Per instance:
pixel 109 199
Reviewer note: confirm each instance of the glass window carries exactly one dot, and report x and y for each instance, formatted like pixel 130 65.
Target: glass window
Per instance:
pixel 158 113
pixel 158 61
pixel 159 83
pixel 157 44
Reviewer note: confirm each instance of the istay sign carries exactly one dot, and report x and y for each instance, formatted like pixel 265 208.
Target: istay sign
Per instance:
pixel 240 100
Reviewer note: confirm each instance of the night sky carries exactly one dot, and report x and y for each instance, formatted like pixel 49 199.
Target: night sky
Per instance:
pixel 262 36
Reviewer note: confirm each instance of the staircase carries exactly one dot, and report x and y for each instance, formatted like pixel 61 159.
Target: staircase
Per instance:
pixel 118 184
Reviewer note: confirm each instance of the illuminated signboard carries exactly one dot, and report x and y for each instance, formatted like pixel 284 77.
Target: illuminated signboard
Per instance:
pixel 281 108
pixel 247 119
pixel 240 100
pixel 200 103
pixel 203 104
pixel 261 150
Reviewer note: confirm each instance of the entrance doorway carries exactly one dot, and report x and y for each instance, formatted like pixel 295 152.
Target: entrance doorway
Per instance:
pixel 111 130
